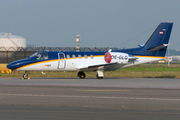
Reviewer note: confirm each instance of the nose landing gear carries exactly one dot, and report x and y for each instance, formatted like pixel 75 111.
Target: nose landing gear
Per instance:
pixel 25 75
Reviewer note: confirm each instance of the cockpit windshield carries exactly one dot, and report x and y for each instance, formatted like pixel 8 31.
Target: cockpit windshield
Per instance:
pixel 37 55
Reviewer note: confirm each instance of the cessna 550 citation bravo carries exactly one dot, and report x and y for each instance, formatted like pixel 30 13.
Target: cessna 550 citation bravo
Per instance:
pixel 154 49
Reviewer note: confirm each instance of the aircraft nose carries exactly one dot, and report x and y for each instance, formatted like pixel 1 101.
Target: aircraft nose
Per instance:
pixel 9 66
pixel 17 64
pixel 12 66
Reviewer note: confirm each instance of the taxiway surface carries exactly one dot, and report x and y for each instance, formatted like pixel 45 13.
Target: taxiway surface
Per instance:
pixel 73 98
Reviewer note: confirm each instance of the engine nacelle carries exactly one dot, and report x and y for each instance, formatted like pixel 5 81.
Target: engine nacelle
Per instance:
pixel 112 57
pixel 107 57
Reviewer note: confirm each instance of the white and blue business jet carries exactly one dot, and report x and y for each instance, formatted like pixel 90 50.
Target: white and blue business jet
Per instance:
pixel 154 49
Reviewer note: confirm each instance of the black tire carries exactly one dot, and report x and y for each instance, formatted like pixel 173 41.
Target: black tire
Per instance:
pixel 25 76
pixel 81 75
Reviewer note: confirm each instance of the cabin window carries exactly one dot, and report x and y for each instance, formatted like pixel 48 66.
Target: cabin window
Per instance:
pixel 74 57
pixel 44 56
pixel 68 56
pixel 61 56
pixel 92 56
pixel 79 56
pixel 85 56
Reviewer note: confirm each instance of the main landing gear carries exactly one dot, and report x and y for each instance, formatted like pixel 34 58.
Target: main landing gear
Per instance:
pixel 25 75
pixel 82 75
pixel 97 76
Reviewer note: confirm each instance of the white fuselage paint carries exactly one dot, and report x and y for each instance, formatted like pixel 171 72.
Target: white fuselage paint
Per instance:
pixel 77 63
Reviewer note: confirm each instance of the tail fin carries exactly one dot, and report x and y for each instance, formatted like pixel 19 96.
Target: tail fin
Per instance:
pixel 158 42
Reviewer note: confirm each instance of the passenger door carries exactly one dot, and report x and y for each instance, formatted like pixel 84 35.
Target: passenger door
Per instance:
pixel 61 61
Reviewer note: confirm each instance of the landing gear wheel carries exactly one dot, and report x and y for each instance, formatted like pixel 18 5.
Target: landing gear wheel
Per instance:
pixel 97 76
pixel 81 75
pixel 25 76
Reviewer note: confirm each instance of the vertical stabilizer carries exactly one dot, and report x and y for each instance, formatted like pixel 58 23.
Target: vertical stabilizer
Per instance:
pixel 160 38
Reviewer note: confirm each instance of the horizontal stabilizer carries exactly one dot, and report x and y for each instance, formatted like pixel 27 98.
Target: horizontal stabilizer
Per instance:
pixel 132 59
pixel 157 47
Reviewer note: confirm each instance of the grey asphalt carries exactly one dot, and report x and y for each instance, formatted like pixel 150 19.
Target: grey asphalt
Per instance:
pixel 101 99
pixel 22 112
pixel 165 83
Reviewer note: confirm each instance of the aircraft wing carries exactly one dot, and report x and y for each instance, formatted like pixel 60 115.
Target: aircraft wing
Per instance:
pixel 109 66
pixel 96 67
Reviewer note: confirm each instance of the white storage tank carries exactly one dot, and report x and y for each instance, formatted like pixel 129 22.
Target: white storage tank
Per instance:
pixel 8 40
pixel 9 44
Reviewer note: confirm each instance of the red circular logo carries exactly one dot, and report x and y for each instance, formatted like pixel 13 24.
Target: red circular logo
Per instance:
pixel 107 57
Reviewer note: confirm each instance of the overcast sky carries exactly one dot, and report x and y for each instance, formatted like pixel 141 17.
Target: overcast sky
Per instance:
pixel 101 23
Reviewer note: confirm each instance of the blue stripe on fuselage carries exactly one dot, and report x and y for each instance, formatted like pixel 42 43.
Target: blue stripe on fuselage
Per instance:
pixel 52 55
